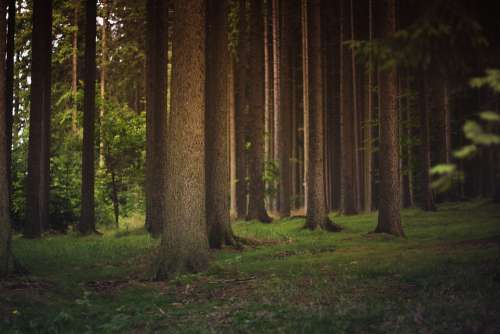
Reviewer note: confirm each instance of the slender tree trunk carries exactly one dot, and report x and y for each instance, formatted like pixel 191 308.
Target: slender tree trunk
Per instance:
pixel 410 151
pixel 389 219
pixel 74 70
pixel 114 197
pixel 404 144
pixel 349 206
pixel 103 76
pixel 37 211
pixel 241 112
pixel 217 169
pixel 256 207
pixel 368 130
pixel 87 219
pixel 276 41
pixel 424 199
pixel 9 94
pixel 184 245
pixel 314 118
pixel 283 114
pixel 6 265
pixel 156 115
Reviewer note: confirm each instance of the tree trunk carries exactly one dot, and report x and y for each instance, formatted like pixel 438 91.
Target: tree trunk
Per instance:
pixel 314 118
pixel 276 41
pixel 349 206
pixel 283 114
pixel 74 70
pixel 156 115
pixel 368 130
pixel 114 198
pixel 241 112
pixel 217 169
pixel 87 219
pixel 103 75
pixel 9 94
pixel 389 219
pixel 184 245
pixel 424 199
pixel 5 228
pixel 256 205
pixel 37 211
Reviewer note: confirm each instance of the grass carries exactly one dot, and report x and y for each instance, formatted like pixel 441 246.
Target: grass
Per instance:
pixel 444 278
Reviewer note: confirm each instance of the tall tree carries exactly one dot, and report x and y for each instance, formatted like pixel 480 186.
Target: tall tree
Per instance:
pixel 156 114
pixel 39 135
pixel 314 118
pixel 349 203
pixel 103 75
pixel 5 227
pixel 389 218
pixel 87 218
pixel 256 207
pixel 184 244
pixel 283 114
pixel 216 125
pixel 241 111
pixel 367 126
pixel 74 67
pixel 9 81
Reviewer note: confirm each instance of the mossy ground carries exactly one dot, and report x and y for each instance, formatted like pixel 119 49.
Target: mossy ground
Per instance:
pixel 444 278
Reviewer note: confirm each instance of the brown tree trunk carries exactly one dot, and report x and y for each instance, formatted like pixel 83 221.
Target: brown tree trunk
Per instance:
pixel 256 207
pixel 368 130
pixel 314 118
pixel 349 205
pixel 103 76
pixel 389 219
pixel 5 228
pixel 241 111
pixel 9 94
pixel 217 169
pixel 276 41
pixel 156 115
pixel 87 218
pixel 268 82
pixel 74 70
pixel 37 211
pixel 114 197
pixel 184 244
pixel 424 197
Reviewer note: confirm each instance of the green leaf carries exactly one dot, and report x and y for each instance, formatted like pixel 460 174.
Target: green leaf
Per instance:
pixel 490 116
pixel 465 152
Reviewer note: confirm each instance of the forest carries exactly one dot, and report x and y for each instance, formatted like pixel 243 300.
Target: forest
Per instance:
pixel 249 166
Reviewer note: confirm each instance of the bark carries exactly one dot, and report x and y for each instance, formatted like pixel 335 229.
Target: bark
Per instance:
pixel 314 119
pixel 367 126
pixel 114 197
pixel 389 219
pixel 256 206
pixel 268 82
pixel 424 198
pixel 184 244
pixel 9 82
pixel 87 218
pixel 6 264
pixel 349 205
pixel 156 115
pixel 406 198
pixel 216 127
pixel 241 112
pixel 37 211
pixel 283 114
pixel 276 41
pixel 103 76
pixel 74 71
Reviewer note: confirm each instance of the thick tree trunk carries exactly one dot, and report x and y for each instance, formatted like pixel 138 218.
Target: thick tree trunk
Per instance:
pixel 424 197
pixel 389 219
pixel 349 205
pixel 37 211
pixel 314 118
pixel 156 115
pixel 241 112
pixel 256 207
pixel 87 218
pixel 184 245
pixel 6 265
pixel 283 114
pixel 74 70
pixel 216 127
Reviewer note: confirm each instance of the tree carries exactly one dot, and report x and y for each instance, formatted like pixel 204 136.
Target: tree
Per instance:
pixel 216 126
pixel 184 244
pixel 368 130
pixel 284 112
pixel 87 218
pixel 389 218
pixel 256 207
pixel 9 94
pixel 103 74
pixel 37 202
pixel 314 122
pixel 74 67
pixel 5 228
pixel 156 118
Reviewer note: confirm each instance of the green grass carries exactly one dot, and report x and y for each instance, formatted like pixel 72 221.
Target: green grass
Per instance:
pixel 444 278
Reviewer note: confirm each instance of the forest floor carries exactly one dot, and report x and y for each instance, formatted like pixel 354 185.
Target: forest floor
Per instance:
pixel 444 278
